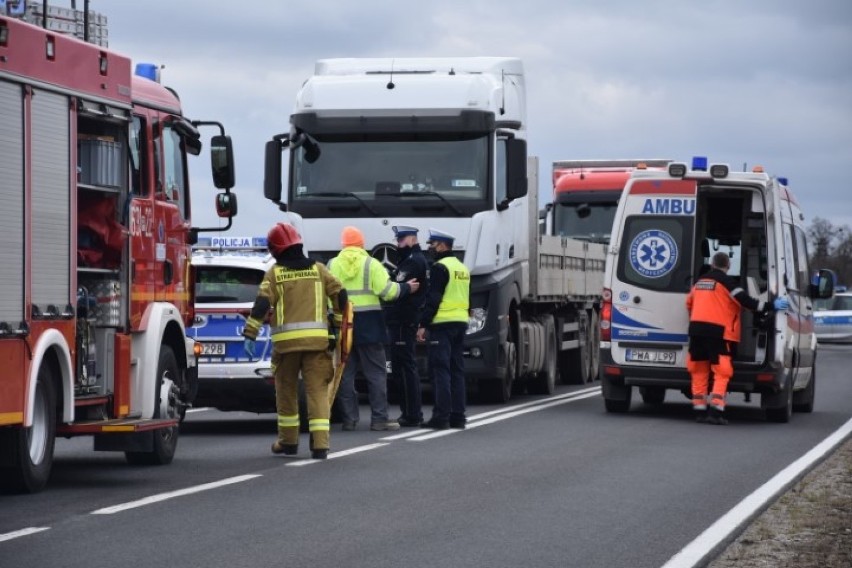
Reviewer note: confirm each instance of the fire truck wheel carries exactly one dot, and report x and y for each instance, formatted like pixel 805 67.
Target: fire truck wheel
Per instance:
pixel 165 405
pixel 31 449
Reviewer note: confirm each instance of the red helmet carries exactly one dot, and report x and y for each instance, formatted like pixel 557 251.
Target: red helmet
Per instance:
pixel 281 237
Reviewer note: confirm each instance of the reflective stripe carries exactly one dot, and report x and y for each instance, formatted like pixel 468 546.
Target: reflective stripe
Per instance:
pixel 300 334
pixel 288 420
pixel 319 425
pixel 319 295
pixel 299 325
pixel 370 308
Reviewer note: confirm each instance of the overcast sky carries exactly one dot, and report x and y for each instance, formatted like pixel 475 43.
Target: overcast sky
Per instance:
pixel 744 82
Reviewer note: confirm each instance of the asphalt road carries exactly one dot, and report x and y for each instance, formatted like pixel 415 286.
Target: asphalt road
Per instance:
pixel 542 481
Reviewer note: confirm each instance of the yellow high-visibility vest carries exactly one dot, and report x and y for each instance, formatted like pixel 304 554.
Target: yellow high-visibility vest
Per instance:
pixel 456 299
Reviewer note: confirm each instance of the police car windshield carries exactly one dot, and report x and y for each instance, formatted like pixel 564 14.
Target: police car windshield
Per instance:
pixel 225 284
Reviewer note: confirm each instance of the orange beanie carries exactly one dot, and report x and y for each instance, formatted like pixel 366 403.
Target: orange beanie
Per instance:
pixel 352 237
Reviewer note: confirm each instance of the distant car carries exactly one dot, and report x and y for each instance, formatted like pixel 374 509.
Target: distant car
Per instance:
pixel 226 283
pixel 833 319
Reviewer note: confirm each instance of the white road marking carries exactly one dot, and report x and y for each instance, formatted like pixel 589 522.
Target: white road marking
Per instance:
pixel 202 409
pixel 504 416
pixel 172 494
pixel 504 410
pixel 697 551
pixel 340 454
pixel 22 532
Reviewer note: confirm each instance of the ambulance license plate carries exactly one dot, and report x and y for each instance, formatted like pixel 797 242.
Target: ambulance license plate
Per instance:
pixel 212 348
pixel 651 356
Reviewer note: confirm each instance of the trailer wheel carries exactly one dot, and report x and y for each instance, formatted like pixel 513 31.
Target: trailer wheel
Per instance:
pixel 31 449
pixel 546 379
pixel 783 413
pixel 803 401
pixel 165 406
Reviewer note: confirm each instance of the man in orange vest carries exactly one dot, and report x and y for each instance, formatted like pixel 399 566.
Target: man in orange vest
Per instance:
pixel 714 305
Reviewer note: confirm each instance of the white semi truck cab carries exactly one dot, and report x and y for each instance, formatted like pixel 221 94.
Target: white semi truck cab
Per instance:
pixel 434 143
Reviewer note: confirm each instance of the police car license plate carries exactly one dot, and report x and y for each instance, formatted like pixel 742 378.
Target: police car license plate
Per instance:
pixel 212 348
pixel 651 356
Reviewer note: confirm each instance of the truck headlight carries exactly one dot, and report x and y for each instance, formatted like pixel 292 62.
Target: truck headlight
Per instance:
pixel 476 321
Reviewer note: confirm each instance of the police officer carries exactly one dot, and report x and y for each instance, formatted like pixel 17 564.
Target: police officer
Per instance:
pixel 402 318
pixel 445 314
pixel 714 305
pixel 298 291
pixel 367 283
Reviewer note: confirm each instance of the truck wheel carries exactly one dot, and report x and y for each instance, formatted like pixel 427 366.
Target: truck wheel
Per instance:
pixel 165 406
pixel 30 450
pixel 783 413
pixel 803 401
pixel 579 360
pixel 546 379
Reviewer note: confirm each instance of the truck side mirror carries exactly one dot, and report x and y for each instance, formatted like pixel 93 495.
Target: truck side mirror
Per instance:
pixel 272 171
pixel 222 161
pixel 226 205
pixel 516 168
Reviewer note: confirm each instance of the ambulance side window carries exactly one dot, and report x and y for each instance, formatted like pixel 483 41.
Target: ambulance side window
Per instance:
pixel 802 268
pixel 656 252
pixel 789 258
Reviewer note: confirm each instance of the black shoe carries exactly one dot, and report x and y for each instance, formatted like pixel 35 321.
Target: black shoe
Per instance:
pixel 458 424
pixel 716 416
pixel 436 424
pixel 406 423
pixel 286 449
pixel 319 454
pixel 700 416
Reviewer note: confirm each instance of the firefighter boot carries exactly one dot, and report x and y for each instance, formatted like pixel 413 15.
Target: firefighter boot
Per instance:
pixel 319 454
pixel 279 447
pixel 716 416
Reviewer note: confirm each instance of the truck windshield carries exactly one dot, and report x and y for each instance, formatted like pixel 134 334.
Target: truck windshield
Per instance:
pixel 383 177
pixel 585 221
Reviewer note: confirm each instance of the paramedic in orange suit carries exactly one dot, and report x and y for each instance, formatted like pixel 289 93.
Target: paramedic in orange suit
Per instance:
pixel 714 305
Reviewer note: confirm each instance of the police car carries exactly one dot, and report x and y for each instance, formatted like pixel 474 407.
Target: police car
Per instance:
pixel 833 319
pixel 228 271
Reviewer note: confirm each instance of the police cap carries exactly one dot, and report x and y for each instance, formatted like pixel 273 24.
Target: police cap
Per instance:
pixel 437 236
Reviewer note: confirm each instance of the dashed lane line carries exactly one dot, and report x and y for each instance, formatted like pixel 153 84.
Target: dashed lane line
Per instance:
pixel 340 454
pixel 172 494
pixel 22 532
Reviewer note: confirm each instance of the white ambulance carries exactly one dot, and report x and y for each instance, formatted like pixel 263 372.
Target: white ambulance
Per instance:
pixel 667 227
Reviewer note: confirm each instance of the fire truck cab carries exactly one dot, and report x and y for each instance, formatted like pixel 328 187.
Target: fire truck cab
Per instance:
pixel 96 287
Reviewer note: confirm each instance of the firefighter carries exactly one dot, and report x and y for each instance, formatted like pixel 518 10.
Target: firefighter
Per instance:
pixel 298 291
pixel 367 283
pixel 402 318
pixel 445 314
pixel 714 330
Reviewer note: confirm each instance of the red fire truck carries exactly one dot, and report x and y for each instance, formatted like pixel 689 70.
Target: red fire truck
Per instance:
pixel 96 284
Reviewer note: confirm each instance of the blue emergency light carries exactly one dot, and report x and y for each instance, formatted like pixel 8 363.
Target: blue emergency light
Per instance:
pixel 699 163
pixel 782 181
pixel 148 71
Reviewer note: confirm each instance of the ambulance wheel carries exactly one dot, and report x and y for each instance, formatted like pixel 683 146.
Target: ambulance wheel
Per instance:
pixel 165 406
pixel 653 395
pixel 29 451
pixel 784 412
pixel 617 398
pixel 803 401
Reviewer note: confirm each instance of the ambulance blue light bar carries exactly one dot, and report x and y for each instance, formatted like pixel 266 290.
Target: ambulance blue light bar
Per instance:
pixel 699 163
pixel 783 180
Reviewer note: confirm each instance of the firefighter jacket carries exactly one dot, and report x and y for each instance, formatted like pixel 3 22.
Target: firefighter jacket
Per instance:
pixel 714 305
pixel 449 292
pixel 412 264
pixel 299 298
pixel 367 284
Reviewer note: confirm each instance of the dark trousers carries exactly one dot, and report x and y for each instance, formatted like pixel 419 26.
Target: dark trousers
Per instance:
pixel 446 367
pixel 404 366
